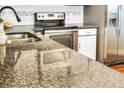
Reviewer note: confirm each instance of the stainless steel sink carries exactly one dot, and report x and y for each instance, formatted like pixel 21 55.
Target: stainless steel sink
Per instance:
pixel 21 37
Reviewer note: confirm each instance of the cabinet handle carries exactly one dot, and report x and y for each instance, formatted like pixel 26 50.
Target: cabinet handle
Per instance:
pixel 88 32
pixel 79 45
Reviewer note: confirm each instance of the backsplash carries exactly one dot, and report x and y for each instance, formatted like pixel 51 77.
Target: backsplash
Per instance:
pixel 74 14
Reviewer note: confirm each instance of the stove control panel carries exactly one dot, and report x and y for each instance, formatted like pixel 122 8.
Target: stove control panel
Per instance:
pixel 50 16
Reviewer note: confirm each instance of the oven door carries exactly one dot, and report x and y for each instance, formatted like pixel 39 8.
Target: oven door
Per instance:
pixel 69 38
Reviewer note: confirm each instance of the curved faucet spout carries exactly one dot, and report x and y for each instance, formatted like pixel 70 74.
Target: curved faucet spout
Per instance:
pixel 17 17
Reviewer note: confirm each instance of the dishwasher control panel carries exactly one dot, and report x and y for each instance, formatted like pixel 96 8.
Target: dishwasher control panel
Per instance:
pixel 91 31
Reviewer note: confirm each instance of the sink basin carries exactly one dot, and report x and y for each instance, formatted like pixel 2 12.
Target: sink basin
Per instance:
pixel 21 37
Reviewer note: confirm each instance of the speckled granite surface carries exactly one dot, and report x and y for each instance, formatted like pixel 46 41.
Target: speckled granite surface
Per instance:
pixel 50 64
pixel 83 26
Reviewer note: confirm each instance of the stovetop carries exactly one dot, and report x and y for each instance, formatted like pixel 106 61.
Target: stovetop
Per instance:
pixel 57 27
pixel 36 28
pixel 60 27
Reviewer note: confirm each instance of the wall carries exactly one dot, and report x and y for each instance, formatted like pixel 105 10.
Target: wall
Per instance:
pixel 95 14
pixel 74 14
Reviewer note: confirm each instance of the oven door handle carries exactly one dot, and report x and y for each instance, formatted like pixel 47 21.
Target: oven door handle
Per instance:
pixel 58 33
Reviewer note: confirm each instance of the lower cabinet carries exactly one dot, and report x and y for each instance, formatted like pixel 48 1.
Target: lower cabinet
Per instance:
pixel 87 41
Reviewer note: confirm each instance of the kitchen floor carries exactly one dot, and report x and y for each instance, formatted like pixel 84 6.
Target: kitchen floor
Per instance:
pixel 118 67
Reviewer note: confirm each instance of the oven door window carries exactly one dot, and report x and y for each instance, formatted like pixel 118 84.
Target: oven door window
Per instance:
pixel 65 39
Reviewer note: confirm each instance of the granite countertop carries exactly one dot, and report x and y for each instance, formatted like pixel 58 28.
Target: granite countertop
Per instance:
pixel 31 28
pixel 83 26
pixel 49 64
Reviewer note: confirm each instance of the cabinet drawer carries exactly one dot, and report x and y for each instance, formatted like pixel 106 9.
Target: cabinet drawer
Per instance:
pixel 88 31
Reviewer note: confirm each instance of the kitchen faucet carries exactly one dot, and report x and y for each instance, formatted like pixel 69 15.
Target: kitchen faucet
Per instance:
pixel 17 17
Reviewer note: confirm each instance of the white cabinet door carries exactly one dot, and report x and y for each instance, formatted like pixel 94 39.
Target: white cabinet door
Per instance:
pixel 87 46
